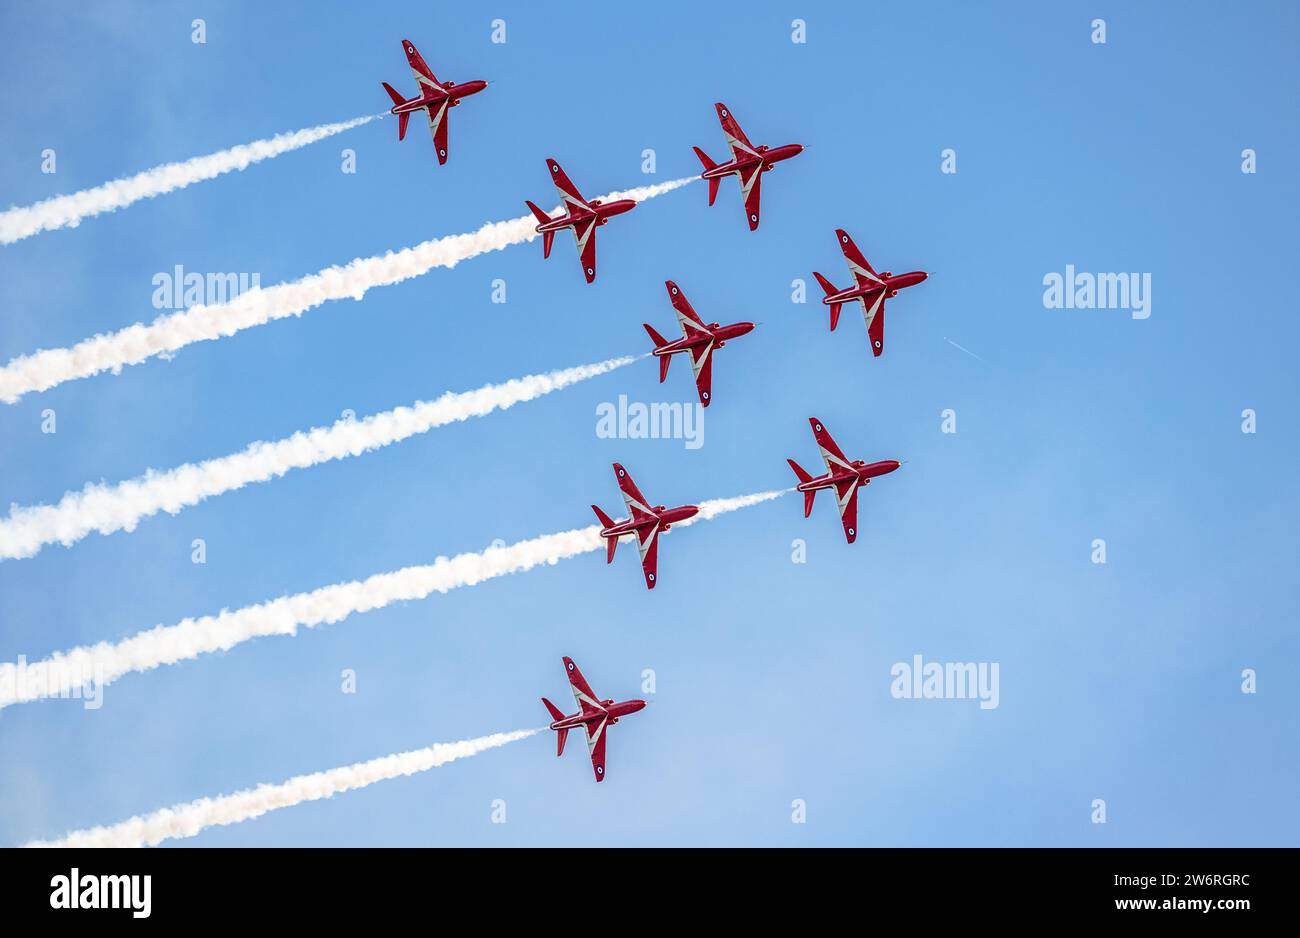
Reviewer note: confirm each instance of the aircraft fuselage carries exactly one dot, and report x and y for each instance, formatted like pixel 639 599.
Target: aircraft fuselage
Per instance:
pixel 769 157
pixel 612 710
pixel 864 472
pixel 891 284
pixel 602 210
pixel 717 334
pixel 434 99
pixel 664 517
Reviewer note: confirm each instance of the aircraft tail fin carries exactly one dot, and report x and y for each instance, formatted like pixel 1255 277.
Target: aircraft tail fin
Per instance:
pixel 548 237
pixel 704 158
pixel 537 212
pixel 829 288
pixel 560 735
pixel 803 476
pixel 655 337
pixel 611 543
pixel 799 471
pixel 708 165
pixel 404 116
pixel 660 342
pixel 556 712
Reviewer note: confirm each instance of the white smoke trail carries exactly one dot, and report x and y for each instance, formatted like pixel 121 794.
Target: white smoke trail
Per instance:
pixel 189 820
pixel 67 211
pixel 47 368
pixel 65 673
pixel 110 508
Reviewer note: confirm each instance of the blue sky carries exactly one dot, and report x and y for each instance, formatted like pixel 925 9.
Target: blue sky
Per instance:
pixel 1119 682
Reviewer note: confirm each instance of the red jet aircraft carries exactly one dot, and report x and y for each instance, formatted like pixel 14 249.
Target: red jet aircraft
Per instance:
pixel 434 98
pixel 645 523
pixel 841 475
pixel 582 216
pixel 871 291
pixel 697 339
pixel 748 162
pixel 593 715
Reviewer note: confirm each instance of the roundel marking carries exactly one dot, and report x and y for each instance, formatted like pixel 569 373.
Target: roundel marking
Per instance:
pixel 570 665
pixel 590 272
pixel 600 770
pixel 877 343
pixel 442 152
pixel 852 532
pixel 705 395
pixel 555 167
pixel 621 473
pixel 819 428
pixel 674 291
pixel 844 238
pixel 724 112
pixel 753 218
pixel 650 577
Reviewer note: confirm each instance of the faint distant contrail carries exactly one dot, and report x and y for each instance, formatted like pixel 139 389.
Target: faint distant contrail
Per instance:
pixel 964 349
pixel 44 369
pixel 67 211
pixel 109 508
pixel 189 820
pixel 190 638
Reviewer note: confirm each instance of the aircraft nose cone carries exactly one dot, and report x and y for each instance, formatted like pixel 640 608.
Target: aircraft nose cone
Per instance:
pixel 640 705
pixel 746 328
pixel 894 464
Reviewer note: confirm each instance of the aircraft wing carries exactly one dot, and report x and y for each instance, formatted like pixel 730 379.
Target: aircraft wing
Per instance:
pixel 874 314
pixel 596 746
pixel 647 541
pixel 632 497
pixel 570 197
pixel 702 363
pixel 687 318
pixel 587 700
pixel 846 492
pixel 438 124
pixel 736 139
pixel 424 76
pixel 857 262
pixel 584 232
pixel 751 188
pixel 831 453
